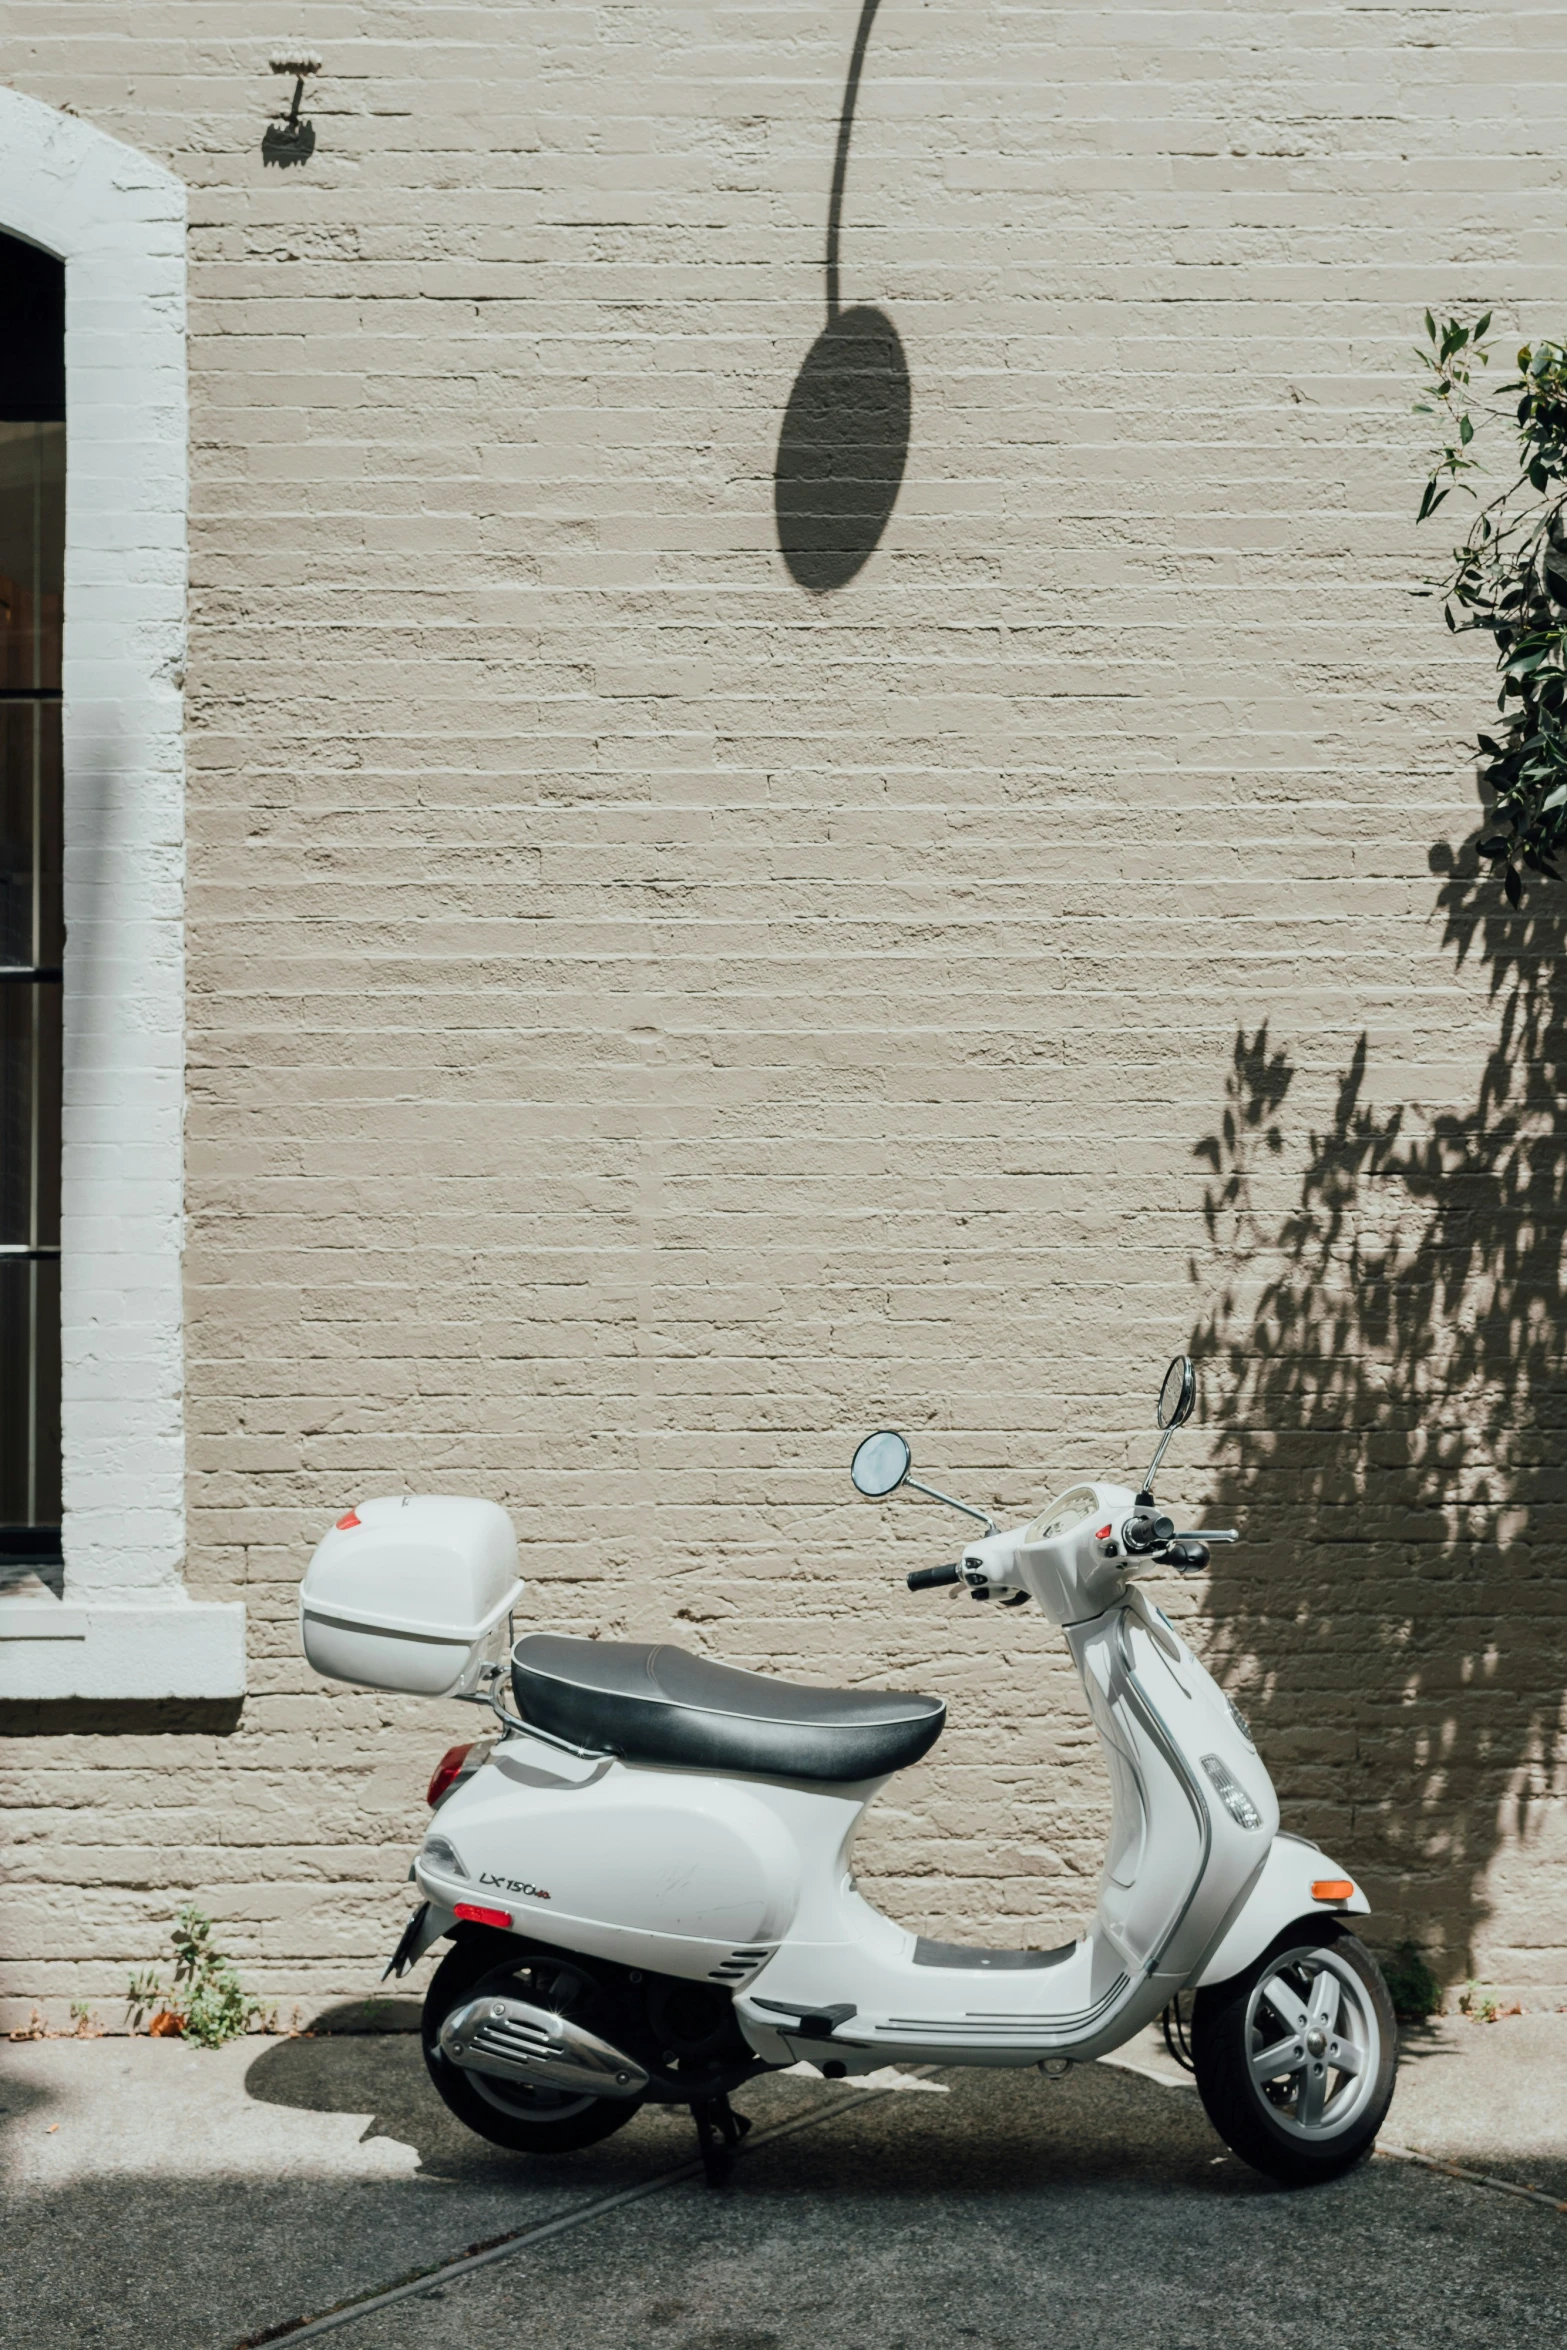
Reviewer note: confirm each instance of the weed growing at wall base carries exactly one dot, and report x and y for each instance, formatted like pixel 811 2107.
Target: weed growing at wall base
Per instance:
pixel 1482 2006
pixel 205 2001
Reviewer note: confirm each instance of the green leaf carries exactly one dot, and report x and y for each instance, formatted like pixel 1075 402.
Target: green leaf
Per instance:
pixel 1495 847
pixel 1430 326
pixel 1513 886
pixel 1558 799
pixel 1481 324
pixel 1466 431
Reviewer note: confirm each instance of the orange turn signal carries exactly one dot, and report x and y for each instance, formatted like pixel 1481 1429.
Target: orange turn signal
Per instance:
pixel 1332 1889
pixel 483 1917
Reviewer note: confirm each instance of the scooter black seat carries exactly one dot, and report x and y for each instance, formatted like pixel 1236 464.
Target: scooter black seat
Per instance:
pixel 656 1703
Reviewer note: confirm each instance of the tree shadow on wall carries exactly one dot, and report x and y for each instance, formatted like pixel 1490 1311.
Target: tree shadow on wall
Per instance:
pixel 1390 1411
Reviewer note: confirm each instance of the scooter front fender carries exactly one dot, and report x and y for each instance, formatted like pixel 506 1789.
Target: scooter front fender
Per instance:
pixel 1279 1895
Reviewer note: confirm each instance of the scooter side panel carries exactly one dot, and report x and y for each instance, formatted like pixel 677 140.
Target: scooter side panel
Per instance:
pixel 677 1871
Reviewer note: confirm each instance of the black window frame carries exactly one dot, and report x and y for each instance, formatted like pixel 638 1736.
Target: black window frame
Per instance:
pixel 32 392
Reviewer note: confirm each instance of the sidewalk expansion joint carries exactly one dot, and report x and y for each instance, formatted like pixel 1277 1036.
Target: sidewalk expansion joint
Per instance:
pixel 1383 2147
pixel 497 2248
pixel 1471 2178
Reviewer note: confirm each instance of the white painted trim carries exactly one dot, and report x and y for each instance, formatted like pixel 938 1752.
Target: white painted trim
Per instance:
pixel 179 1648
pixel 117 219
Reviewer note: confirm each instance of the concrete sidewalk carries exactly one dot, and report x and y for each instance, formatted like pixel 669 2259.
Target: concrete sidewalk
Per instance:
pixel 164 2198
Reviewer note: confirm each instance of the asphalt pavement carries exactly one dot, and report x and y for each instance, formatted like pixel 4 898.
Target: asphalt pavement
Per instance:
pixel 162 2197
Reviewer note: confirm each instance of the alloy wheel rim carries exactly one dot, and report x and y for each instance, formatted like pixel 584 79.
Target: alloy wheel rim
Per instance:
pixel 1313 2044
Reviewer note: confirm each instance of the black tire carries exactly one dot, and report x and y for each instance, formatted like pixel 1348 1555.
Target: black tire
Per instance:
pixel 524 2120
pixel 1310 2119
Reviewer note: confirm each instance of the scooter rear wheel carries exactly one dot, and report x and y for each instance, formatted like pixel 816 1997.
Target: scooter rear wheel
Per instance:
pixel 1295 2057
pixel 525 2119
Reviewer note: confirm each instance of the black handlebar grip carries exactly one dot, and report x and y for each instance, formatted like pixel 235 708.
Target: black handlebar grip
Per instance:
pixel 927 1578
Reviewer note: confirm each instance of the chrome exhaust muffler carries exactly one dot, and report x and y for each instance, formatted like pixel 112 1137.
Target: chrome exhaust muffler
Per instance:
pixel 519 2042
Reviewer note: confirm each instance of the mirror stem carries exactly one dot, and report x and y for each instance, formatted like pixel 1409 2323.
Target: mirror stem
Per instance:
pixel 987 1522
pixel 1164 1446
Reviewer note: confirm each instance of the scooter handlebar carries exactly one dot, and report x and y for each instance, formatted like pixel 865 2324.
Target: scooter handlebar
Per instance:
pixel 928 1578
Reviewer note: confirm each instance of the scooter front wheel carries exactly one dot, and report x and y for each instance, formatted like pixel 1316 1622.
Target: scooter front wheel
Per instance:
pixel 515 2114
pixel 1295 2057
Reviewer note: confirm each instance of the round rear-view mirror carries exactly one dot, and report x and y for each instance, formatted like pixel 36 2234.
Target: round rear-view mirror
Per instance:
pixel 1178 1394
pixel 880 1464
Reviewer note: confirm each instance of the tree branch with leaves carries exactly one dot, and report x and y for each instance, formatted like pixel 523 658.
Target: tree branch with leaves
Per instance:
pixel 1507 579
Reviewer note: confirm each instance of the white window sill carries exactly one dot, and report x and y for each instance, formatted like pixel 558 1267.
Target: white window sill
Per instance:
pixel 175 1647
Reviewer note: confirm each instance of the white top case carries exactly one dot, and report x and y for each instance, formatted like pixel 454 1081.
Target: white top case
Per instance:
pixel 409 1591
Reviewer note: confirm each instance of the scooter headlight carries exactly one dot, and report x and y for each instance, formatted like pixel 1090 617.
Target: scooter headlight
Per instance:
pixel 1231 1793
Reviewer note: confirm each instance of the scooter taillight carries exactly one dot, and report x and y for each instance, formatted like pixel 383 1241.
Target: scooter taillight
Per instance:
pixel 447 1771
pixel 482 1917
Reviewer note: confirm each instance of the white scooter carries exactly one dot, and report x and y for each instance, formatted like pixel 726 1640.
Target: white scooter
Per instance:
pixel 646 1879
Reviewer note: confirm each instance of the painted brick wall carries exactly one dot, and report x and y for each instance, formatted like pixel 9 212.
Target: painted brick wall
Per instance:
pixel 649 1023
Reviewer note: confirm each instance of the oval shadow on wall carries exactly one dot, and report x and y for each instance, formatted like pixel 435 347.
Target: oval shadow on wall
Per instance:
pixel 845 437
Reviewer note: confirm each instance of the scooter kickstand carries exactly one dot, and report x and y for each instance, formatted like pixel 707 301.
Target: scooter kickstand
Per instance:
pixel 719 2130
